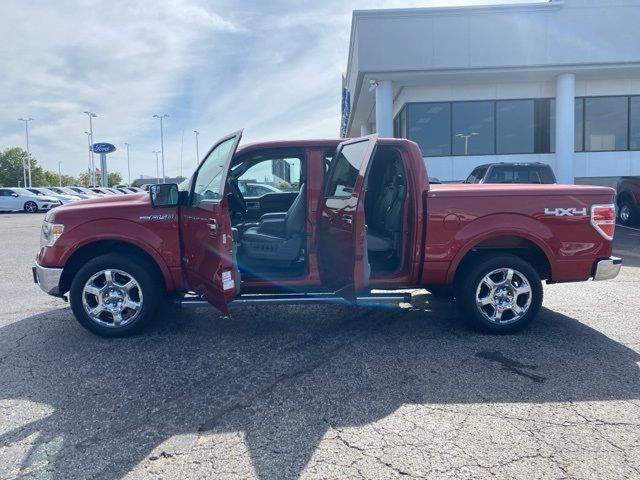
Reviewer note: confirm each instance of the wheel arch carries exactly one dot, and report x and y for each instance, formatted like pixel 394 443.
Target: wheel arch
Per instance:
pixel 99 247
pixel 622 196
pixel 525 247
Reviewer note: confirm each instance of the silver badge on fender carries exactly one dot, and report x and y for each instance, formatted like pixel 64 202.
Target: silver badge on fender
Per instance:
pixel 163 217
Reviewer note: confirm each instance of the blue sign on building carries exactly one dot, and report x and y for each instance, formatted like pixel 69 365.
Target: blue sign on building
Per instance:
pixel 103 148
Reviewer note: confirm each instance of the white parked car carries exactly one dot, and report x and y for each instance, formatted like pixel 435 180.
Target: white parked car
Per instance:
pixel 68 191
pixel 21 199
pixel 85 191
pixel 47 192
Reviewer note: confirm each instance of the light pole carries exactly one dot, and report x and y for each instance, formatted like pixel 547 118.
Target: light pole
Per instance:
pixel 59 174
pixel 157 167
pixel 161 116
pixel 128 163
pixel 89 181
pixel 26 131
pixel 91 116
pixel 466 140
pixel 197 149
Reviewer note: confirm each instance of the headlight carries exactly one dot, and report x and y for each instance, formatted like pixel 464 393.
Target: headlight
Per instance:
pixel 50 233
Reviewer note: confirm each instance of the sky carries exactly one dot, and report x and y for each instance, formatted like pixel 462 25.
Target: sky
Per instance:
pixel 271 67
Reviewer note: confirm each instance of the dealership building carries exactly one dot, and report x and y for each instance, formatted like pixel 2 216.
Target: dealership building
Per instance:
pixel 556 82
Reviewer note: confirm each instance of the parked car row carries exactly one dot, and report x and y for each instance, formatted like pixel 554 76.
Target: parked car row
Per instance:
pixel 41 199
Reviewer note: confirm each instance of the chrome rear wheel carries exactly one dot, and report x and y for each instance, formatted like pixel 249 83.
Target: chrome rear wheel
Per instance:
pixel 498 293
pixel 503 296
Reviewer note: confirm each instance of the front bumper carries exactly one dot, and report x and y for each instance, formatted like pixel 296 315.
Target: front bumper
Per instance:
pixel 48 279
pixel 607 269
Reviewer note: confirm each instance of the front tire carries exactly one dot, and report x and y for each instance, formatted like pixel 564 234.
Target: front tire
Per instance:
pixel 626 213
pixel 499 294
pixel 115 295
pixel 31 207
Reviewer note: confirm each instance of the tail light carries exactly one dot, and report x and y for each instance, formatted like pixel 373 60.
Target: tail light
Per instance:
pixel 603 219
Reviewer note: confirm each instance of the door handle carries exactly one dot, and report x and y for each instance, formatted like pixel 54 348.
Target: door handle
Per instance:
pixel 347 220
pixel 213 227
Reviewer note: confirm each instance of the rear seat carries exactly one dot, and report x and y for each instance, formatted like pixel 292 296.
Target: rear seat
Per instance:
pixel 385 221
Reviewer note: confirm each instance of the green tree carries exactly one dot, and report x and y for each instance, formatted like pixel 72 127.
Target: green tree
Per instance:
pixel 115 178
pixel 12 161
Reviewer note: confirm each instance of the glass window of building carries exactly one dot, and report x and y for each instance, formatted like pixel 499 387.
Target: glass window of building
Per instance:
pixel 579 131
pixel 634 127
pixel 606 120
pixel 543 124
pixel 514 126
pixel 473 128
pixel 429 125
pixel 400 124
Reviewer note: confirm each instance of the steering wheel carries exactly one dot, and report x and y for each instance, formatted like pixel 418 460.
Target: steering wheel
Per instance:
pixel 236 200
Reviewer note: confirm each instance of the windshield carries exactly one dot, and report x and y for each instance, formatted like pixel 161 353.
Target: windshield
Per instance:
pixel 22 191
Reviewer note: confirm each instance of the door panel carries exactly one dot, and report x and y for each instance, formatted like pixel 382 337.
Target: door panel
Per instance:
pixel 269 203
pixel 207 238
pixel 342 256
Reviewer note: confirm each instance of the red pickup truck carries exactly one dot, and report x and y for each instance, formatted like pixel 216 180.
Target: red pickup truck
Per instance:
pixel 345 218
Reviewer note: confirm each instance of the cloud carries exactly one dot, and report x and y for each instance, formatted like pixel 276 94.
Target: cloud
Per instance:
pixel 271 67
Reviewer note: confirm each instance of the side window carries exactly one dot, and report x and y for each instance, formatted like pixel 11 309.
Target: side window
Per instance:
pixel 346 168
pixel 208 182
pixel 271 175
pixel 500 175
pixel 4 193
pixel 476 175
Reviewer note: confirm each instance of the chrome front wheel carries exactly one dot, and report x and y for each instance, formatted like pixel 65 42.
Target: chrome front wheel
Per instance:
pixel 112 298
pixel 117 294
pixel 503 296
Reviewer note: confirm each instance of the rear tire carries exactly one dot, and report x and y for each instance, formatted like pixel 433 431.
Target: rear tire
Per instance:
pixel 499 294
pixel 627 214
pixel 31 207
pixel 116 295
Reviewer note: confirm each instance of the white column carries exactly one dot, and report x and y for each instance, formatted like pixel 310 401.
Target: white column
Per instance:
pixel 565 126
pixel 365 129
pixel 384 109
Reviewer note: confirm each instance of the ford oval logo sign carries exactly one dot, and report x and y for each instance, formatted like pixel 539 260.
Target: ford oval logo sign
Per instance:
pixel 103 148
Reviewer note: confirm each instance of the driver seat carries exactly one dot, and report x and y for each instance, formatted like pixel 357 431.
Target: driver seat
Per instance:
pixel 279 236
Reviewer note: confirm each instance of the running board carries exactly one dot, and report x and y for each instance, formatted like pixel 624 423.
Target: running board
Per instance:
pixel 302 298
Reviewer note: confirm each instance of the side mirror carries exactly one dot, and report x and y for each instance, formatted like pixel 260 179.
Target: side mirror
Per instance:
pixel 15 195
pixel 164 195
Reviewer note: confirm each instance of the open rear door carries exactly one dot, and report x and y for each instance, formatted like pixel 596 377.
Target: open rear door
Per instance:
pixel 208 252
pixel 342 255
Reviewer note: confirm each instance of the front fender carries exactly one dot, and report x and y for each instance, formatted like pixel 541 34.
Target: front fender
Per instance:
pixel 160 243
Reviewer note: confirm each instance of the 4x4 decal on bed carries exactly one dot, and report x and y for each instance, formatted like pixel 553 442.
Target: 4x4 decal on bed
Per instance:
pixel 566 212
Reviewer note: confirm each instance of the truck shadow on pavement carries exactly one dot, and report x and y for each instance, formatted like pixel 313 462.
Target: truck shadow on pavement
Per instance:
pixel 278 380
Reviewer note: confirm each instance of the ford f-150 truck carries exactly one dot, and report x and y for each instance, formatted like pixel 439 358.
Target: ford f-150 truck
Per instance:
pixel 359 216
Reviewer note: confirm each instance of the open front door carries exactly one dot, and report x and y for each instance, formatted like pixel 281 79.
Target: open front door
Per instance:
pixel 342 255
pixel 207 239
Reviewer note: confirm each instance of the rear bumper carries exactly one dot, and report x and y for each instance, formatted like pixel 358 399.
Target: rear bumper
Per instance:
pixel 607 269
pixel 48 279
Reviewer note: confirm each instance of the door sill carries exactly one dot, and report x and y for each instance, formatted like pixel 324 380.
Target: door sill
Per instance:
pixel 301 299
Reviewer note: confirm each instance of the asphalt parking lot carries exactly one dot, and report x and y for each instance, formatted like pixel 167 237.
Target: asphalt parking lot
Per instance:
pixel 320 392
